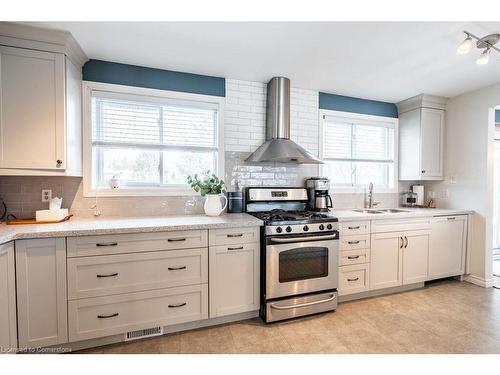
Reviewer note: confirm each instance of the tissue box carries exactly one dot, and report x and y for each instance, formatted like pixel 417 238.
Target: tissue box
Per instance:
pixel 51 215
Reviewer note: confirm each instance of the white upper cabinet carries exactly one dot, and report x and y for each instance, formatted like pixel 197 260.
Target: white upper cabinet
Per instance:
pixel 421 132
pixel 40 109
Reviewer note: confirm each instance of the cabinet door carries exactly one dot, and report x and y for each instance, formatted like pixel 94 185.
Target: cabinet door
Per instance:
pixel 8 324
pixel 409 145
pixel 447 248
pixel 41 292
pixel 385 260
pixel 32 109
pixel 415 256
pixel 234 279
pixel 432 143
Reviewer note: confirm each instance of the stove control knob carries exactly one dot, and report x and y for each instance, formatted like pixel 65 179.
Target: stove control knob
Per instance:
pixel 329 226
pixel 321 227
pixel 289 229
pixel 306 228
pixel 279 230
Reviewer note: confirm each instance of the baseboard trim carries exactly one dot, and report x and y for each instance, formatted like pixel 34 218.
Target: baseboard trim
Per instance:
pixel 479 281
pixel 380 292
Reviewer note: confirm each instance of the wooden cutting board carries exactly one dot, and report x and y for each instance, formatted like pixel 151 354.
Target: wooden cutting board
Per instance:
pixel 33 221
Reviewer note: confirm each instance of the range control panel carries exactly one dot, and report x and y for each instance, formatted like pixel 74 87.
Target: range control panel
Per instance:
pixel 301 228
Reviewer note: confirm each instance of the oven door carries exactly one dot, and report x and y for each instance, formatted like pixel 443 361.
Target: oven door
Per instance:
pixel 297 265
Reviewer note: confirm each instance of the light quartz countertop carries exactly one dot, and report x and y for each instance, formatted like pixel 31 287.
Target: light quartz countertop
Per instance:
pixel 118 225
pixel 350 215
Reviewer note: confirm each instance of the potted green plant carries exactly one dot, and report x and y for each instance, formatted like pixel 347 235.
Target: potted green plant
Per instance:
pixel 212 187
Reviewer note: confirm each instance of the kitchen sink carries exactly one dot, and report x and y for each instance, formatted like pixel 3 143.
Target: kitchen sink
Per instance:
pixel 393 210
pixel 369 211
pixel 381 211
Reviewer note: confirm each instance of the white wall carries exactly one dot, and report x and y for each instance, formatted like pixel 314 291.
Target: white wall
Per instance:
pixel 469 156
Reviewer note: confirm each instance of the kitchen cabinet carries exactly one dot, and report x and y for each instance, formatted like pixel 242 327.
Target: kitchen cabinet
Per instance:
pixel 8 324
pixel 40 121
pixel 447 248
pixel 399 258
pixel 421 132
pixel 234 277
pixel 41 292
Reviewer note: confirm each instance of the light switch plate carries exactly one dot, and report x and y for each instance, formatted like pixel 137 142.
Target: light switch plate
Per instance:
pixel 46 195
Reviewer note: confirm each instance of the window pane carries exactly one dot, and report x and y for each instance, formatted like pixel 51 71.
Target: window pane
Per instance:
pixel 378 173
pixel 130 166
pixel 372 142
pixel 339 172
pixel 178 164
pixel 337 140
pixel 189 127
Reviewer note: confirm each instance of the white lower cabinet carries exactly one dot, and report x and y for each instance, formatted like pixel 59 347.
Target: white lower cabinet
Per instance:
pixel 448 244
pixel 354 279
pixel 41 292
pixel 415 256
pixel 8 324
pixel 234 279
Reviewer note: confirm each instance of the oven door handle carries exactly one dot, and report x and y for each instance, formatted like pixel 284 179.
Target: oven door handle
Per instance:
pixel 331 298
pixel 303 239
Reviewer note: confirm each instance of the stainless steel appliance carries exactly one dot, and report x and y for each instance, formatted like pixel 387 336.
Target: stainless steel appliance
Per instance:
pixel 317 192
pixel 299 254
pixel 409 199
pixel 278 146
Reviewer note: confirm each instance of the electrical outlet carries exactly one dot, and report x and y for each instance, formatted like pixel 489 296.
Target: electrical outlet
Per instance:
pixel 46 195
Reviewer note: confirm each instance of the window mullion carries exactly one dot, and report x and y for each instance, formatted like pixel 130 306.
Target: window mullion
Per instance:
pixel 161 131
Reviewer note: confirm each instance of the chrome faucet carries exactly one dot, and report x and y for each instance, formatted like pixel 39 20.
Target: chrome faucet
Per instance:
pixel 369 202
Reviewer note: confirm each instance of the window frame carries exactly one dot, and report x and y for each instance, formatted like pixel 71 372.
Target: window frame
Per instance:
pixel 362 117
pixel 155 95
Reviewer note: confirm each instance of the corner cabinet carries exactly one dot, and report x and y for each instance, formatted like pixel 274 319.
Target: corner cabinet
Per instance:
pixel 40 117
pixel 421 134
pixel 41 292
pixel 8 324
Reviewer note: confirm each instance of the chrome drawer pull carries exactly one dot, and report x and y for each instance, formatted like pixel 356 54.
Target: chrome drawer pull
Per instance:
pixel 107 316
pixel 355 279
pixel 354 227
pixel 176 239
pixel 107 244
pixel 352 242
pixel 176 268
pixel 450 218
pixel 178 305
pixel 331 298
pixel 353 257
pixel 109 275
pixel 235 235
pixel 235 248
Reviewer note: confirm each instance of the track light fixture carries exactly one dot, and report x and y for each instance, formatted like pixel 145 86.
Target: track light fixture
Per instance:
pixel 486 43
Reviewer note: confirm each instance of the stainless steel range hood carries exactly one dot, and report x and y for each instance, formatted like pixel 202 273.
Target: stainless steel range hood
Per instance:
pixel 278 146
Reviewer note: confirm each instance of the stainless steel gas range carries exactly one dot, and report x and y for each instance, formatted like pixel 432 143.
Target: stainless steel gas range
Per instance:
pixel 299 254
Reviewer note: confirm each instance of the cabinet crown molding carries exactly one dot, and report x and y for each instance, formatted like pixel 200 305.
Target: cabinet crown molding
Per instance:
pixel 26 36
pixel 422 101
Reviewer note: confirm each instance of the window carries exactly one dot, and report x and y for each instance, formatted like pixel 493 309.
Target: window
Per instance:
pixel 359 149
pixel 150 143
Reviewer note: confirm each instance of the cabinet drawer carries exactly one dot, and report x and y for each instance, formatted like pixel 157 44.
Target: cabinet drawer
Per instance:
pixel 400 225
pixel 234 236
pixel 354 279
pixel 361 241
pixel 135 242
pixel 354 257
pixel 103 316
pixel 114 274
pixel 349 228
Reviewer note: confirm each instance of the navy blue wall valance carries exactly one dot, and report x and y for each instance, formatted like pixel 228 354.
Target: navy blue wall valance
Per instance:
pixel 140 76
pixel 497 116
pixel 357 105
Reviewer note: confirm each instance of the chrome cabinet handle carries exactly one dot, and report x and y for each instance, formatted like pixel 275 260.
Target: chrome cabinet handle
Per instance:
pixel 107 244
pixel 352 242
pixel 423 171
pixel 177 268
pixel 58 163
pixel 176 239
pixel 354 227
pixel 235 248
pixel 355 279
pixel 235 235
pixel 401 242
pixel 353 257
pixel 451 218
pixel 108 316
pixel 177 305
pixel 109 275
pixel 406 239
pixel 331 298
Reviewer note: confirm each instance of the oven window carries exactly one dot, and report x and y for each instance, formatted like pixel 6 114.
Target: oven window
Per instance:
pixel 303 263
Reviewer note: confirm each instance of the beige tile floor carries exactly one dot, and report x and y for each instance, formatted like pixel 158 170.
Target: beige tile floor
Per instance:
pixel 445 317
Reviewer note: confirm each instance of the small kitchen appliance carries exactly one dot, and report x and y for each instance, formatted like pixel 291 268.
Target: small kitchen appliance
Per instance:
pixel 236 201
pixel 299 254
pixel 317 194
pixel 419 191
pixel 409 199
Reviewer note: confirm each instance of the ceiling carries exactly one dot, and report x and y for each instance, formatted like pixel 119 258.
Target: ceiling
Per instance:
pixel 387 61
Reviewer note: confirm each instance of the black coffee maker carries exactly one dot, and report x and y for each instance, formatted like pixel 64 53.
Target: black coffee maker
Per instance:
pixel 317 194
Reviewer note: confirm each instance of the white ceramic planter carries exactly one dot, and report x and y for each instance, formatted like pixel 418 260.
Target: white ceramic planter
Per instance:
pixel 213 205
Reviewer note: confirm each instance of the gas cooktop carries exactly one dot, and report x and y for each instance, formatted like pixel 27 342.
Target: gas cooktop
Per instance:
pixel 280 217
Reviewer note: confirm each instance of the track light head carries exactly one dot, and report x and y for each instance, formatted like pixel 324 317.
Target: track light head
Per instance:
pixel 465 46
pixel 484 57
